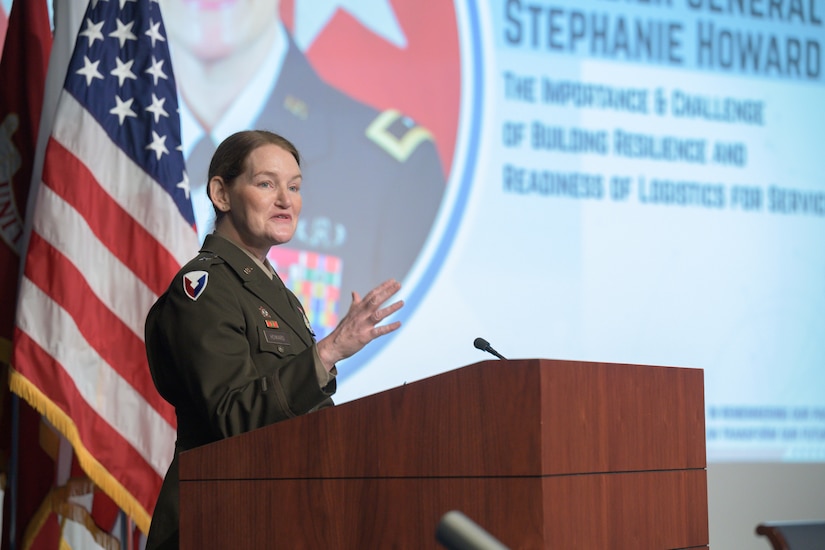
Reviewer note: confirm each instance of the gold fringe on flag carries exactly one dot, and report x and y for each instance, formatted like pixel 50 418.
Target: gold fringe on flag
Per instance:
pixel 66 426
pixel 57 502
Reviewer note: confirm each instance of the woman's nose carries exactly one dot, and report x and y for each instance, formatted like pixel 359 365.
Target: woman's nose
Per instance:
pixel 282 198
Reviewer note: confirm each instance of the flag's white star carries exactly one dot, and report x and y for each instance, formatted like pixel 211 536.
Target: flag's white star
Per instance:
pixel 184 184
pixel 92 31
pixel 158 145
pixel 156 70
pixel 123 3
pixel 89 70
pixel 123 109
pixel 156 108
pixel 123 71
pixel 123 32
pixel 154 33
pixel 376 15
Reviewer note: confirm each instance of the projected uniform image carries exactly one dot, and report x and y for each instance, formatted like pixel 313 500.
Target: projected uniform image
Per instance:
pixel 373 176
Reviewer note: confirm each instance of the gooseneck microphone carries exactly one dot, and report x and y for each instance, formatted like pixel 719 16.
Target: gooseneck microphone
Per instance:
pixel 484 345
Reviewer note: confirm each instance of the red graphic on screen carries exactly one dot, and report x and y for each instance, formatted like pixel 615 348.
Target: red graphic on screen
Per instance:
pixel 422 80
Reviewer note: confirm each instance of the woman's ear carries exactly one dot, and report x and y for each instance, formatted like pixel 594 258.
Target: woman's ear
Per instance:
pixel 219 194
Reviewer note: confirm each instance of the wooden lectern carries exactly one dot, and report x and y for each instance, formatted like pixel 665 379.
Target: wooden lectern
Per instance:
pixel 540 453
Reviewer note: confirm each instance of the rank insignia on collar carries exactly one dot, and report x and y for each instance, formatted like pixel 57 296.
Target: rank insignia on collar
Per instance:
pixel 194 283
pixel 247 270
pixel 264 312
pixel 297 107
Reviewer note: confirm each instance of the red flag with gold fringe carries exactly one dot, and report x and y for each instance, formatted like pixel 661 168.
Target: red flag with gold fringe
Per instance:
pixel 26 48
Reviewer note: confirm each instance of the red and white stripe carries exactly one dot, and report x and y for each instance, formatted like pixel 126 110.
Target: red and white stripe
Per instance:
pixel 106 241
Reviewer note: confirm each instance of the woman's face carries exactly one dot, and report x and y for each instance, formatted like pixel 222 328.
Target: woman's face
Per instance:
pixel 263 204
pixel 211 30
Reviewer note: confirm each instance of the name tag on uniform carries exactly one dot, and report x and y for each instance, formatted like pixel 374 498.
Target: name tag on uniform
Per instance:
pixel 274 336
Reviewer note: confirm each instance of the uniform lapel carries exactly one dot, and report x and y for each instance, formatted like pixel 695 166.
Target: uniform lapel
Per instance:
pixel 272 292
pixel 276 296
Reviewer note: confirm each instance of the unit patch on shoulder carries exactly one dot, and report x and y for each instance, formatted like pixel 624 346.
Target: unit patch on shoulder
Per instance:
pixel 194 283
pixel 397 134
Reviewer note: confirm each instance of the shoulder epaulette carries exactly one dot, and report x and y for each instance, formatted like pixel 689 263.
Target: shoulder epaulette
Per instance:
pixel 210 257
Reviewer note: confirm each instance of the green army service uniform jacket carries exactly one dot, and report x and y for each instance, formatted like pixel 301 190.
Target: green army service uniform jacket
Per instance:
pixel 232 351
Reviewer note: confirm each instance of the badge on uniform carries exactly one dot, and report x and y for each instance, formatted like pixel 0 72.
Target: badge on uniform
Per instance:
pixel 306 321
pixel 276 337
pixel 267 318
pixel 194 283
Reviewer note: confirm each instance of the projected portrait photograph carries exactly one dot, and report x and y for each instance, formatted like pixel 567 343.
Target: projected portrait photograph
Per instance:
pixel 368 92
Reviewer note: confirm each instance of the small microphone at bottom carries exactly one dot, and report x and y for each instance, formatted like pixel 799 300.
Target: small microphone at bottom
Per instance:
pixel 456 531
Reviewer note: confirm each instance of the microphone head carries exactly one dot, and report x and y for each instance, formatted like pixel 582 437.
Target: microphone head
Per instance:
pixel 481 343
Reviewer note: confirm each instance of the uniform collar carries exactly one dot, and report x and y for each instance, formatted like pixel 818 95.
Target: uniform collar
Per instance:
pixel 250 271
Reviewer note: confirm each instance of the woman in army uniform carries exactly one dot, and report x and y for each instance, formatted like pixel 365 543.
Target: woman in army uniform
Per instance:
pixel 228 344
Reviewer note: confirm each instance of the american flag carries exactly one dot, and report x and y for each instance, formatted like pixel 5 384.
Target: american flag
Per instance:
pixel 111 226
